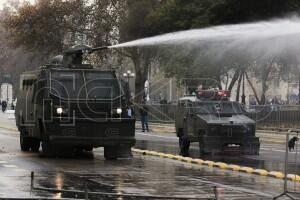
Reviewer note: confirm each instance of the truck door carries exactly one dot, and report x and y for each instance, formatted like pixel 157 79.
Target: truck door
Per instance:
pixel 191 120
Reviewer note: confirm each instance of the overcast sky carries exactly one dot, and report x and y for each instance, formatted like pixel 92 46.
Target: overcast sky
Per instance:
pixel 4 1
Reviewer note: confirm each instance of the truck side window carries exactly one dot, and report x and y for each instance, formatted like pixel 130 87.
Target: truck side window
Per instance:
pixel 38 90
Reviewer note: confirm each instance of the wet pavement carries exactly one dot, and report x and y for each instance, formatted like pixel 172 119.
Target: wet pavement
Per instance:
pixel 271 155
pixel 143 177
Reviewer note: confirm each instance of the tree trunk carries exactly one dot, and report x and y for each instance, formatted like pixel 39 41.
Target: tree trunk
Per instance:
pixel 234 79
pixel 253 89
pixel 141 64
pixel 219 82
pixel 238 88
pixel 265 76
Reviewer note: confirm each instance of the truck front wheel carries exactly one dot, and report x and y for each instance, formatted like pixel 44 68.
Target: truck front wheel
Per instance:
pixel 184 145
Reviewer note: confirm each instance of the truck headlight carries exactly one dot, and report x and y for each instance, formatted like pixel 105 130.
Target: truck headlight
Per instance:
pixel 119 111
pixel 59 110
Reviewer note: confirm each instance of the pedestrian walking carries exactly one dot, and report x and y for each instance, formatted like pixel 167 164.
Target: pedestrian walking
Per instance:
pixel 129 112
pixel 144 117
pixel 13 105
pixel 4 105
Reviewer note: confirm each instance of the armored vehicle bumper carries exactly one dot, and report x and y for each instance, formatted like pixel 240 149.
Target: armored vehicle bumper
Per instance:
pixel 219 144
pixel 92 133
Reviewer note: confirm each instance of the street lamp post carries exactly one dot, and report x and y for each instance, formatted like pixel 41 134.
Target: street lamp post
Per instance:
pixel 128 75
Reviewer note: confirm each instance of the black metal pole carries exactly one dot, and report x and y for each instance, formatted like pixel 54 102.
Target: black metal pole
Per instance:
pixel 285 189
pixel 31 180
pixel 243 95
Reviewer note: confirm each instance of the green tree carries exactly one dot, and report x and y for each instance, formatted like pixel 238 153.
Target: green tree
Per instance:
pixel 43 26
pixel 175 15
pixel 135 25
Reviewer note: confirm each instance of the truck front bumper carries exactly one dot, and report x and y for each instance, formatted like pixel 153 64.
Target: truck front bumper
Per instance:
pixel 86 132
pixel 247 145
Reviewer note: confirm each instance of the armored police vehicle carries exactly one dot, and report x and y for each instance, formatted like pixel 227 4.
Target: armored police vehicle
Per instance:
pixel 67 106
pixel 217 124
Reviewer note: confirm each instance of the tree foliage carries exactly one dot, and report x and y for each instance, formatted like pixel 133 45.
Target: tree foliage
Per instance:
pixel 176 15
pixel 49 26
pixel 43 26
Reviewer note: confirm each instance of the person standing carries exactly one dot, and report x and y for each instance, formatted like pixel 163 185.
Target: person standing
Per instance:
pixel 4 105
pixel 144 117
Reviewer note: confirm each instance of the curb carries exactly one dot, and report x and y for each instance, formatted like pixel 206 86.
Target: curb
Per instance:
pixel 220 165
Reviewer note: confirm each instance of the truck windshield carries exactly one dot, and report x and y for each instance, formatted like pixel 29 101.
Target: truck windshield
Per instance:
pixel 84 85
pixel 222 107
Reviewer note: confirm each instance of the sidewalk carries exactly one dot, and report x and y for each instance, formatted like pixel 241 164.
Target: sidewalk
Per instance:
pixel 7 120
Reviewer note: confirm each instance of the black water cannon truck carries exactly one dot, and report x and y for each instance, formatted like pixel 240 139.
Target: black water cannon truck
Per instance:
pixel 216 123
pixel 67 106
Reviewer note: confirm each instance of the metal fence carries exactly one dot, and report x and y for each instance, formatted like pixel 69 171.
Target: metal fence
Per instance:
pixel 279 116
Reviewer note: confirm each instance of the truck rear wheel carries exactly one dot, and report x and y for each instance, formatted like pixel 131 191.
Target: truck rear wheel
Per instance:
pixel 184 145
pixel 24 141
pixel 35 145
pixel 115 152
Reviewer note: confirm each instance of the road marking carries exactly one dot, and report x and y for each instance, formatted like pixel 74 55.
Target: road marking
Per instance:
pixel 20 170
pixel 225 166
pixel 10 166
pixel 159 136
pixel 2 162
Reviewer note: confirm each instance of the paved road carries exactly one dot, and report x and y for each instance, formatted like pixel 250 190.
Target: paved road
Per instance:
pixel 271 155
pixel 142 175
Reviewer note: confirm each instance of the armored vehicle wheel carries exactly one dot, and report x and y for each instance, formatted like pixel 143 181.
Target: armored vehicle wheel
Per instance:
pixel 88 148
pixel 24 141
pixel 114 152
pixel 201 148
pixel 35 145
pixel 47 149
pixel 184 145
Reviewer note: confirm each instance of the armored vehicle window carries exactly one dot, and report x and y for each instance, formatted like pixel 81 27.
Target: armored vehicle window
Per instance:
pixel 28 84
pixel 230 107
pixel 102 85
pixel 217 107
pixel 204 108
pixel 68 85
pixel 84 85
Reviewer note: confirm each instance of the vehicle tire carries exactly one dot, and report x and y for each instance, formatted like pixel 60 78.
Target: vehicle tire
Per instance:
pixel 184 145
pixel 88 148
pixel 201 147
pixel 47 149
pixel 115 152
pixel 24 141
pixel 35 145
